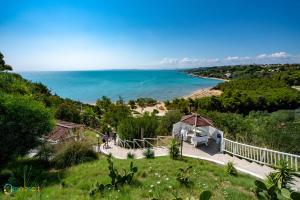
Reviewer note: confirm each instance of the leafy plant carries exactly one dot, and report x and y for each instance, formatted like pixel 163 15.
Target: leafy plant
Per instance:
pixel 283 177
pixel 273 192
pixel 149 153
pixel 117 179
pixel 130 155
pixel 277 185
pixel 230 169
pixel 184 176
pixel 174 149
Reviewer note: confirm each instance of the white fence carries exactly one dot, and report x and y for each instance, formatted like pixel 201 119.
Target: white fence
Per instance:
pixel 259 155
pixel 143 143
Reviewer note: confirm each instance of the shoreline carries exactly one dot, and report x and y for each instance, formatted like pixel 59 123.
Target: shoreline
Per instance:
pixel 203 92
pixel 214 78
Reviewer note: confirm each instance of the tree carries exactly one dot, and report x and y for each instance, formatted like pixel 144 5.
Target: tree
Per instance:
pixel 90 118
pixel 3 66
pixel 166 122
pixel 116 113
pixel 103 104
pixel 131 103
pixel 22 122
pixel 68 112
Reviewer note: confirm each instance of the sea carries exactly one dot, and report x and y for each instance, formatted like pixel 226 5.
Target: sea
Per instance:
pixel 88 86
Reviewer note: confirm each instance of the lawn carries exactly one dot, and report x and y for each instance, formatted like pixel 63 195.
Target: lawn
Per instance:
pixel 155 178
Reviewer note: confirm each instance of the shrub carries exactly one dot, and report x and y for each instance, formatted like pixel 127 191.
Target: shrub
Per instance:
pixel 131 127
pixel 74 153
pixel 22 122
pixel 130 155
pixel 68 112
pixel 230 169
pixel 174 149
pixel 184 176
pixel 149 153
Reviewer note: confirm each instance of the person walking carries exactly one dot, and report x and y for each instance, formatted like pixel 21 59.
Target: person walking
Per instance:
pixel 114 137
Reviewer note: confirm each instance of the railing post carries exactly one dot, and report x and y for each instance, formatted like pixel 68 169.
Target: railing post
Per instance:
pixel 222 145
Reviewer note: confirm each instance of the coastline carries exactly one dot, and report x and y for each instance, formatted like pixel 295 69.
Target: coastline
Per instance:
pixel 214 78
pixel 196 94
pixel 203 92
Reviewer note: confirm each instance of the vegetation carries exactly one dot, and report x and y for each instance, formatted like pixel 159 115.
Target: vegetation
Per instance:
pixel 22 122
pixel 155 178
pixel 117 179
pixel 74 153
pixel 277 185
pixel 130 155
pixel 143 102
pixel 258 106
pixel 287 72
pixel 3 65
pixel 184 175
pixel 149 153
pixel 230 169
pixel 244 95
pixel 136 127
pixel 174 149
pixel 165 124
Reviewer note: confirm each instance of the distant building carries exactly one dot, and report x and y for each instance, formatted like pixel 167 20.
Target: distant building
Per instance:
pixel 228 75
pixel 64 131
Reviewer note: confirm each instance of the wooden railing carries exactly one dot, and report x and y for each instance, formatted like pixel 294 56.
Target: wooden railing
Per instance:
pixel 143 143
pixel 259 155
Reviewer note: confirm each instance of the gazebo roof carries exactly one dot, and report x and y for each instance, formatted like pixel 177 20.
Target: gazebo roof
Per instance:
pixel 196 120
pixel 61 130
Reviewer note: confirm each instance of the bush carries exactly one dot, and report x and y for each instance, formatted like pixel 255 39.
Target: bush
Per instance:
pixel 130 155
pixel 149 153
pixel 130 128
pixel 184 176
pixel 68 112
pixel 230 169
pixel 74 153
pixel 174 149
pixel 22 122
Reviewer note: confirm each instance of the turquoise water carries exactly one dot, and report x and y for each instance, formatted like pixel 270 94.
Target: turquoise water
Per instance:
pixel 87 86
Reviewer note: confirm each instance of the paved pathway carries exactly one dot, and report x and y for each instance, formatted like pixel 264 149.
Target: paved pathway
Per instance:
pixel 204 153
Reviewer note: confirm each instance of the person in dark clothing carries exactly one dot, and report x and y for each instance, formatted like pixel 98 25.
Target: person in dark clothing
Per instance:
pixel 114 137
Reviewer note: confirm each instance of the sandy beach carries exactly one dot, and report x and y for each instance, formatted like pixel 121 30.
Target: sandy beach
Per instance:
pixel 160 107
pixel 204 92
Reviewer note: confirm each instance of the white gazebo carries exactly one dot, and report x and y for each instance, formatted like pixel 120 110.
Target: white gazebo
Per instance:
pixel 196 129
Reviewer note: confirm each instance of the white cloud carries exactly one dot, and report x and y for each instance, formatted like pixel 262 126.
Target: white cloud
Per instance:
pixel 273 55
pixel 276 57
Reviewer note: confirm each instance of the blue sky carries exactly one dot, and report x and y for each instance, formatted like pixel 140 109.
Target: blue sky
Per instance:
pixel 86 34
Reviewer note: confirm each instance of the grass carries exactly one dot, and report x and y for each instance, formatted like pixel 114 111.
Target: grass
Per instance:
pixel 155 178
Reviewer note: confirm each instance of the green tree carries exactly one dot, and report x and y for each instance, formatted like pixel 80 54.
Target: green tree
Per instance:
pixel 90 118
pixel 68 112
pixel 22 122
pixel 166 122
pixel 103 104
pixel 131 103
pixel 3 66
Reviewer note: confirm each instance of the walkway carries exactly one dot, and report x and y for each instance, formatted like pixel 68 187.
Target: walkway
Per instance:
pixel 204 153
